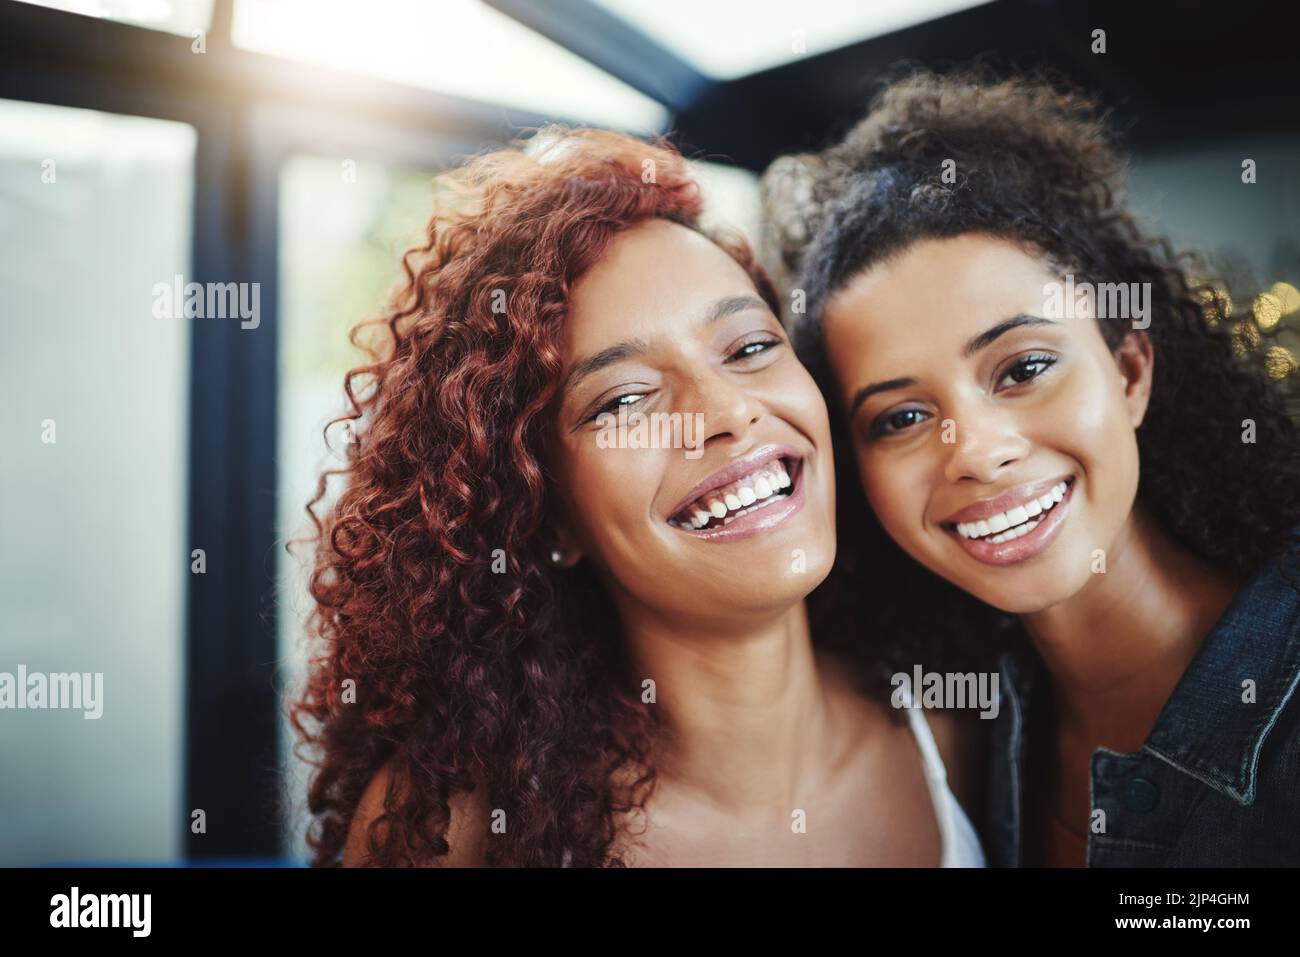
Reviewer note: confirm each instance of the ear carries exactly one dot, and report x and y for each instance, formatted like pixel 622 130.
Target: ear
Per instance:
pixel 1136 362
pixel 559 540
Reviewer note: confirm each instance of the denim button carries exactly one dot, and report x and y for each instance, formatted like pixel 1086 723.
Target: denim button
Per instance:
pixel 1140 794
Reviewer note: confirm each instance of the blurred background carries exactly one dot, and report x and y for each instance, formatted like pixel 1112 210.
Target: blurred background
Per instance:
pixel 160 464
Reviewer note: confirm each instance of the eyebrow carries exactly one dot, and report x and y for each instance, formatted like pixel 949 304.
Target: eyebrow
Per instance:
pixel 888 385
pixel 727 306
pixel 988 336
pixel 976 343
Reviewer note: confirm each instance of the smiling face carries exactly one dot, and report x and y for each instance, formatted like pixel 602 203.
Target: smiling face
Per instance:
pixel 668 332
pixel 996 446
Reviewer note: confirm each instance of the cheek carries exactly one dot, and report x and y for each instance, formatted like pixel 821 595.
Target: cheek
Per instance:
pixel 609 491
pixel 794 392
pixel 1089 421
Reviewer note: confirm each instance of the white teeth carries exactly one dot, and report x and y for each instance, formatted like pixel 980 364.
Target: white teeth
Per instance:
pixel 752 508
pixel 1014 532
pixel 752 492
pixel 1015 522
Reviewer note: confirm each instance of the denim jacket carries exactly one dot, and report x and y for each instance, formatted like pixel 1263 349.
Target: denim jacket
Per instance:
pixel 1217 783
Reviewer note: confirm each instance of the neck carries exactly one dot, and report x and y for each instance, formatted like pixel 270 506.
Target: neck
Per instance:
pixel 747 711
pixel 1118 647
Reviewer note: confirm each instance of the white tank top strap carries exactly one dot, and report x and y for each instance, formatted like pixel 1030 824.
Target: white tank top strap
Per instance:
pixel 961 845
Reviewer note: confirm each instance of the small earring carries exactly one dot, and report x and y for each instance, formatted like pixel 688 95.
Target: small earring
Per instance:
pixel 556 556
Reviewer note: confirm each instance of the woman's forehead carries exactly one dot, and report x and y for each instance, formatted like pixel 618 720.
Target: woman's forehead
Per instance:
pixel 653 276
pixel 936 289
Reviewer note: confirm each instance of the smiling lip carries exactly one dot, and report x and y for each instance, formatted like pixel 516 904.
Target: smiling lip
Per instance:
pixel 1028 545
pixel 1003 502
pixel 757 518
pixel 737 470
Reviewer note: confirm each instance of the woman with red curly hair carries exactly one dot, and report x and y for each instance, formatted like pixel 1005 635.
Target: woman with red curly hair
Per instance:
pixel 571 646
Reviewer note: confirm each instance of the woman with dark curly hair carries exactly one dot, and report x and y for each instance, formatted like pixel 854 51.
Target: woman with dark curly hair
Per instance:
pixel 561 596
pixel 1052 459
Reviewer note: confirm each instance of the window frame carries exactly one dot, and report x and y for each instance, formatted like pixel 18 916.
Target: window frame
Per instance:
pixel 250 112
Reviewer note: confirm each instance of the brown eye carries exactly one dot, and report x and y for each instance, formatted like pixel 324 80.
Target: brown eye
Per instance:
pixel 892 423
pixel 1030 367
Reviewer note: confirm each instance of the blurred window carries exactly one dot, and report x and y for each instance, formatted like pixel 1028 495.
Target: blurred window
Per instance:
pixel 94 211
pixel 460 47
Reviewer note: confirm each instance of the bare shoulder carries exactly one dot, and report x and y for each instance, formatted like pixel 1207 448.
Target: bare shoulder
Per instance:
pixel 963 739
pixel 466 834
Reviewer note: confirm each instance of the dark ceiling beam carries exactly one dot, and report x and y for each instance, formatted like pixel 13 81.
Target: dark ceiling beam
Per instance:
pixel 1179 74
pixel 604 40
pixel 808 103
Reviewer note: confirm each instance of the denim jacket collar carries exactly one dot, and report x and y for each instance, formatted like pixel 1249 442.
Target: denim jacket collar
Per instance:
pixel 1197 732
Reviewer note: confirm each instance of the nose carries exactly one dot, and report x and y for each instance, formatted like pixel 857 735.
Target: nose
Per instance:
pixel 987 443
pixel 730 409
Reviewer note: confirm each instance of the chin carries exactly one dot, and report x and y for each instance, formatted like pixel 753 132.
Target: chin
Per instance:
pixel 818 569
pixel 1026 599
pixel 816 565
pixel 1021 606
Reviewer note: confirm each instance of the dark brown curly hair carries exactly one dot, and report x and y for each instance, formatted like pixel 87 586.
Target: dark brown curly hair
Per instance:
pixel 476 661
pixel 1036 162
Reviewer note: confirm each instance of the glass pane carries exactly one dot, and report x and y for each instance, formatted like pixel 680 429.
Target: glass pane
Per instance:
pixel 760 36
pixel 343 228
pixel 173 16
pixel 94 211
pixel 461 47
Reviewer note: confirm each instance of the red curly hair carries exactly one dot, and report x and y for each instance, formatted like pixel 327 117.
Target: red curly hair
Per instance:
pixel 514 676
